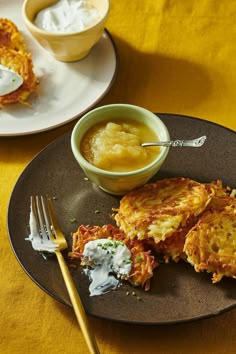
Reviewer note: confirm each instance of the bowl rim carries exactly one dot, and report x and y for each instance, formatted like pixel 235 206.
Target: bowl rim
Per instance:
pixel 87 165
pixel 30 24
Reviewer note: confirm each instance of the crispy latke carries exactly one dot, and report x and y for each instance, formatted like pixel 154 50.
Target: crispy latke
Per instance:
pixel 143 262
pixel 13 55
pixel 159 211
pixel 211 244
pixel 21 63
pixel 10 36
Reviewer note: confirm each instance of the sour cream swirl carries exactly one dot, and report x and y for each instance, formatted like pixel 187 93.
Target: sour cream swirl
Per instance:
pixel 10 81
pixel 106 258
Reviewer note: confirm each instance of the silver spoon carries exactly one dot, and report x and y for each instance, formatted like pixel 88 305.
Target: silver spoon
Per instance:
pixel 179 143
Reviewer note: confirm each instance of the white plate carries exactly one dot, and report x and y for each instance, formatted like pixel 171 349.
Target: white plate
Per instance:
pixel 66 91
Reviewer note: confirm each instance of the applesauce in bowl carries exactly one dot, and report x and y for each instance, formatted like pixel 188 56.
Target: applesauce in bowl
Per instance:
pixel 116 145
pixel 106 144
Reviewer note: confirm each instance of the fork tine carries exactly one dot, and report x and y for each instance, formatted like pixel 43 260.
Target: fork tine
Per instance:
pixel 47 218
pixel 39 232
pixel 35 213
pixel 41 218
pixel 59 237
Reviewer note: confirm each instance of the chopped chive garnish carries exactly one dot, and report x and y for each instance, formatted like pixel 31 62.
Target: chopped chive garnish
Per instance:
pixel 139 259
pixel 127 261
pixel 72 220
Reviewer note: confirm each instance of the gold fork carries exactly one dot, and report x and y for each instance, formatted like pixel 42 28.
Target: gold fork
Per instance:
pixel 47 225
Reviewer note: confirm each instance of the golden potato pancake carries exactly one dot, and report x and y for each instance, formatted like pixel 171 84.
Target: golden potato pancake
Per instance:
pixel 10 36
pixel 143 262
pixel 159 210
pixel 211 244
pixel 21 63
pixel 14 56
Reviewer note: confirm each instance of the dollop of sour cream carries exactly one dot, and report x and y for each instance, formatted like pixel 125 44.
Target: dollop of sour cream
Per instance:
pixel 67 16
pixel 10 81
pixel 105 259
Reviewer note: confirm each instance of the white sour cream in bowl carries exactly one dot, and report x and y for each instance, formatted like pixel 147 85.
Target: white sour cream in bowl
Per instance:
pixel 68 16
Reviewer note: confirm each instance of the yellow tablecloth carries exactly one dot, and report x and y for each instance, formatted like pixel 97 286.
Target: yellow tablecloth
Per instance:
pixel 175 57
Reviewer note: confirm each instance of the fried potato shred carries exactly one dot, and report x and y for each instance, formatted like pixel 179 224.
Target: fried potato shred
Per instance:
pixel 14 56
pixel 211 244
pixel 10 37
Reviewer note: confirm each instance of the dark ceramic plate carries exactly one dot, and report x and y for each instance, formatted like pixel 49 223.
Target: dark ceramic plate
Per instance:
pixel 177 292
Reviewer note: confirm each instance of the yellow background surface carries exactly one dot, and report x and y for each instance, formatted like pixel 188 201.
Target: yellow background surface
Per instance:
pixel 175 57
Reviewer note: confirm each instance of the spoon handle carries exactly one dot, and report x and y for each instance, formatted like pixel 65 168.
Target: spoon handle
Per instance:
pixel 179 143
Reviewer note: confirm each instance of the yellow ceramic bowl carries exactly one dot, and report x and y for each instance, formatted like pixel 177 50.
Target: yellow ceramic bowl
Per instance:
pixel 70 46
pixel 119 183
